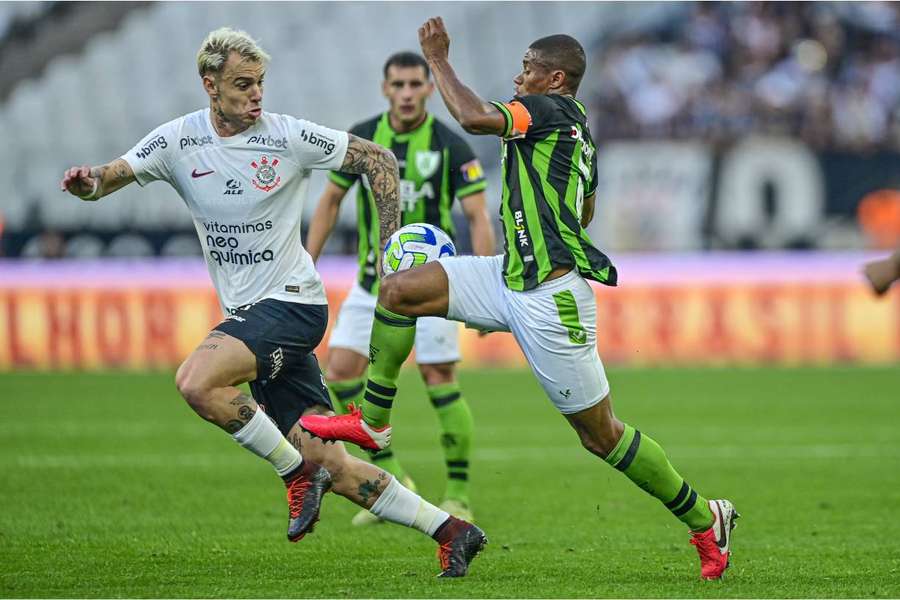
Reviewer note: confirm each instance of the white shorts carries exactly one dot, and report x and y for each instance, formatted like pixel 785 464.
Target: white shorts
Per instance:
pixel 555 325
pixel 437 340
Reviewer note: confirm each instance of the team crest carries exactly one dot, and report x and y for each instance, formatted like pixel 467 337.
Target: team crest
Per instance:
pixel 427 162
pixel 266 177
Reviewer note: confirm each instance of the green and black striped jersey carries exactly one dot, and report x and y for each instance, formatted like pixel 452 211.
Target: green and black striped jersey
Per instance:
pixel 436 166
pixel 549 167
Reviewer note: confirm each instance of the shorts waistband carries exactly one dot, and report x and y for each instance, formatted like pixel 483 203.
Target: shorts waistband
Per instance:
pixel 558 283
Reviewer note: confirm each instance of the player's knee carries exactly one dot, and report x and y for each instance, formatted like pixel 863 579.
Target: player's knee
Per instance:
pixel 437 374
pixel 193 390
pixel 340 371
pixel 596 445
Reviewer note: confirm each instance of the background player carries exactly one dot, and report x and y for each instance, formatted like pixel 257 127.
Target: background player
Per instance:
pixel 436 166
pixel 243 175
pixel 538 290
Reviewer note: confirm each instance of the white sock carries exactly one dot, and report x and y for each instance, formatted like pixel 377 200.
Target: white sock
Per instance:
pixel 261 437
pixel 397 504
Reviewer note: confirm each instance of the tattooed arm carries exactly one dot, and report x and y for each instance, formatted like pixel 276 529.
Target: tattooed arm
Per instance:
pixel 92 183
pixel 379 166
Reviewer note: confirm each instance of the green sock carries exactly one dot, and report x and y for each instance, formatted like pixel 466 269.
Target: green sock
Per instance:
pixel 346 391
pixel 456 437
pixel 645 463
pixel 351 390
pixel 391 342
pixel 386 460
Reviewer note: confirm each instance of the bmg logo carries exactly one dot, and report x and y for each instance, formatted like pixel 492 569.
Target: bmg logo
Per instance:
pixel 318 140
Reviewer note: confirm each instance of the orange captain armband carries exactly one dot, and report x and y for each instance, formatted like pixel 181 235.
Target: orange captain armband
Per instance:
pixel 518 119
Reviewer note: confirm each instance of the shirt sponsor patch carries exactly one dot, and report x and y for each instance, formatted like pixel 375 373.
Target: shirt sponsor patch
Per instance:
pixel 472 171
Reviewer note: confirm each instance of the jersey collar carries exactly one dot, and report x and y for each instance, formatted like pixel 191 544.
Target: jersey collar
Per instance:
pixel 404 137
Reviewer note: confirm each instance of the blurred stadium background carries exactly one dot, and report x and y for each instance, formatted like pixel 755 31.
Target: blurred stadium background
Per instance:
pixel 750 164
pixel 750 161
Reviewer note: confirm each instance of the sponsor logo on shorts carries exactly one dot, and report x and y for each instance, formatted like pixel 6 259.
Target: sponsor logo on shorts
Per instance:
pixel 565 394
pixel 277 358
pixel 152 146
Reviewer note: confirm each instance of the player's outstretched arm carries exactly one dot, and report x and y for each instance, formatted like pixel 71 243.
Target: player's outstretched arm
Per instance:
pixel 92 183
pixel 481 231
pixel 883 273
pixel 474 114
pixel 323 220
pixel 379 165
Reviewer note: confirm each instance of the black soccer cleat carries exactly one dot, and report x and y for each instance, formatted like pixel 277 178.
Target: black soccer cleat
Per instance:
pixel 306 487
pixel 460 542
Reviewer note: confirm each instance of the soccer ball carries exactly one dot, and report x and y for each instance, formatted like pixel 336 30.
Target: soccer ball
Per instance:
pixel 415 244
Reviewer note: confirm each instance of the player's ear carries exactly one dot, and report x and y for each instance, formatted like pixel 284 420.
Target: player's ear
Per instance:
pixel 429 87
pixel 385 89
pixel 557 79
pixel 209 85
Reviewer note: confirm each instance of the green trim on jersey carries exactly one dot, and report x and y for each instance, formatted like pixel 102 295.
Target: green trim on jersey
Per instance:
pixel 547 173
pixel 431 158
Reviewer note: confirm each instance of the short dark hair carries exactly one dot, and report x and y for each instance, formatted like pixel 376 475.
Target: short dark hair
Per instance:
pixel 562 52
pixel 406 59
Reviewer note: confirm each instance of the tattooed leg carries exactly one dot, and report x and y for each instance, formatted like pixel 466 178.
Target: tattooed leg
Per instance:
pixel 245 408
pixel 208 376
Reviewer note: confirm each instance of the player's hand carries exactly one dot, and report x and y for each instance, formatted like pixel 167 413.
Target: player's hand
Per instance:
pixel 434 39
pixel 881 274
pixel 78 181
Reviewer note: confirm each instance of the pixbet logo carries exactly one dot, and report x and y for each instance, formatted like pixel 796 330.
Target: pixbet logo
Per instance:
pixel 319 141
pixel 268 141
pixel 158 142
pixel 189 141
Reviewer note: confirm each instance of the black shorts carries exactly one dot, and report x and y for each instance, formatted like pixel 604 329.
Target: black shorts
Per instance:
pixel 282 336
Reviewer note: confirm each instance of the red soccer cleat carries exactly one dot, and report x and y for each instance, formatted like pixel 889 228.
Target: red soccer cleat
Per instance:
pixel 714 543
pixel 305 488
pixel 347 428
pixel 460 542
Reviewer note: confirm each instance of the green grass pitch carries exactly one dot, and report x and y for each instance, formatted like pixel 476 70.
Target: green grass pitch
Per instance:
pixel 111 487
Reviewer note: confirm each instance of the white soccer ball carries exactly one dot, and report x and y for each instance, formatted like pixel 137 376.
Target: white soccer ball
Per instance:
pixel 415 244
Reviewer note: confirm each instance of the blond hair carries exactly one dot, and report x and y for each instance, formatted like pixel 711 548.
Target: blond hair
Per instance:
pixel 219 44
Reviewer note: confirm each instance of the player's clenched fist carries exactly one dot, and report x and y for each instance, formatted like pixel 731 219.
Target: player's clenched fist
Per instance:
pixel 78 181
pixel 883 273
pixel 434 39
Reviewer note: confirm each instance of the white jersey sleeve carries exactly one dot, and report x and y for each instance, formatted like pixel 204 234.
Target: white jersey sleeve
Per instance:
pixel 151 158
pixel 315 146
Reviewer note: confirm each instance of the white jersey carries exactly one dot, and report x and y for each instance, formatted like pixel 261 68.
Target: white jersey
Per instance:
pixel 245 194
